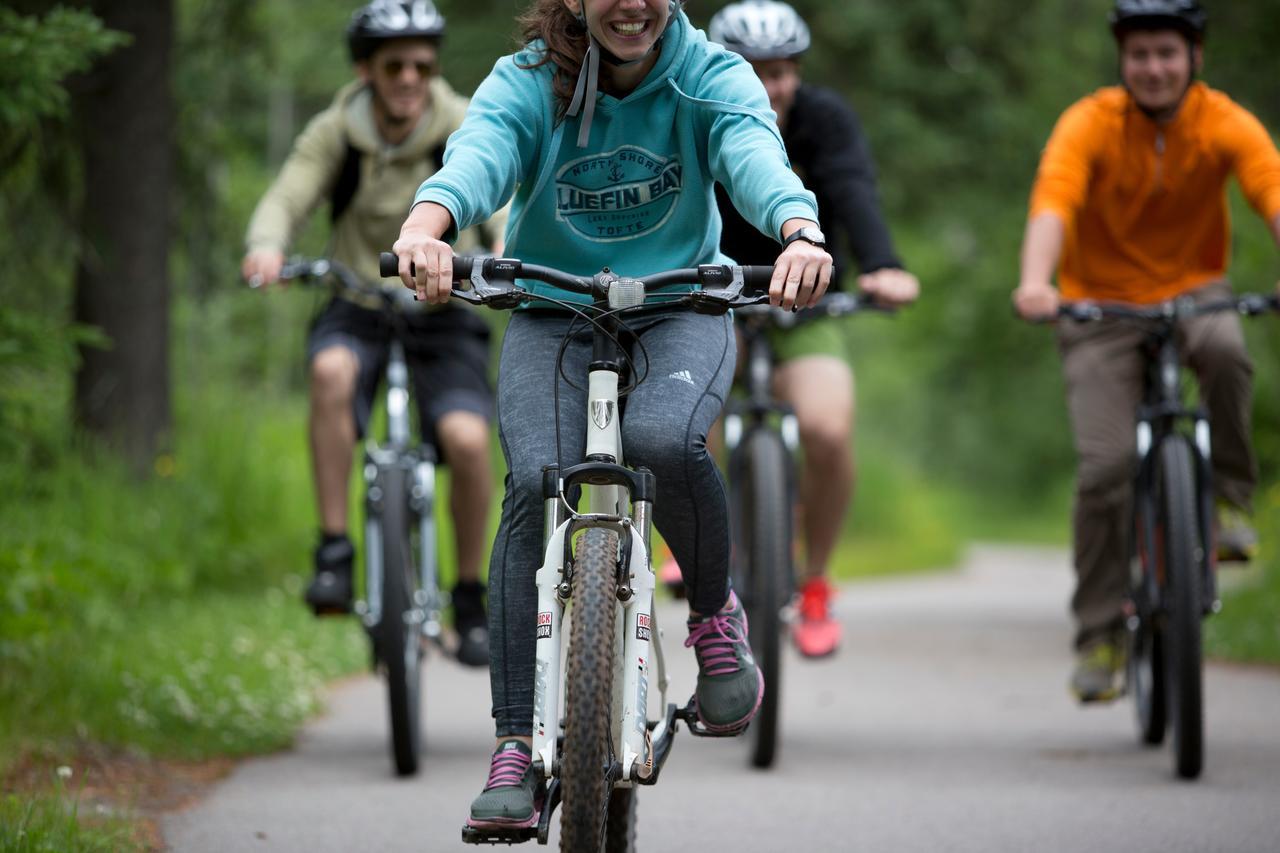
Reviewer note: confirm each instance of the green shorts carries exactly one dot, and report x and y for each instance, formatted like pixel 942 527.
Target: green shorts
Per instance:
pixel 819 337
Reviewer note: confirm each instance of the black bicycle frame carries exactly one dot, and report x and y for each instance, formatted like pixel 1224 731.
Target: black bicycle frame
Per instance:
pixel 1161 415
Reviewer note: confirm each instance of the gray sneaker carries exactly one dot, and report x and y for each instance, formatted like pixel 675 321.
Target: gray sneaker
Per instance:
pixel 511 796
pixel 730 685
pixel 1099 665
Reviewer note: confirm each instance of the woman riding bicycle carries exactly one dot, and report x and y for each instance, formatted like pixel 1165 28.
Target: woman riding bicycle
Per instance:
pixel 610 128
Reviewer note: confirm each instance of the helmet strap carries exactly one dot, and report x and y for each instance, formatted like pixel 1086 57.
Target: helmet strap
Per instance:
pixel 584 94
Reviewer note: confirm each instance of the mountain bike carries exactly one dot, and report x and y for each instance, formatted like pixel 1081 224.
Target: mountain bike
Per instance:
pixel 595 751
pixel 402 605
pixel 1172 583
pixel 761 436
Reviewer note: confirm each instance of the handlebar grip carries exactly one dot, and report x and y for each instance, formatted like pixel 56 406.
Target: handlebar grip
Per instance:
pixel 389 266
pixel 756 278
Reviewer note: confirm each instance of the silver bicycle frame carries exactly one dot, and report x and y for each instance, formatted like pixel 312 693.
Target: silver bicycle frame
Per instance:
pixel 422 485
pixel 637 645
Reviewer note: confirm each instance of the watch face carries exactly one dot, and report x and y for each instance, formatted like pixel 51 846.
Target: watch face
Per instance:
pixel 814 235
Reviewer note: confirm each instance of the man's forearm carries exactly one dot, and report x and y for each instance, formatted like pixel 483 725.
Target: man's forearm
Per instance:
pixel 1042 247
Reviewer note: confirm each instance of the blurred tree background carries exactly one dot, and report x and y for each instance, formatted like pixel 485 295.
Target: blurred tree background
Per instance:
pixel 957 98
pixel 955 395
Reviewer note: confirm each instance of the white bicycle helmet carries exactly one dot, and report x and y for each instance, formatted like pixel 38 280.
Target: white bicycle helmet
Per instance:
pixel 760 30
pixel 391 19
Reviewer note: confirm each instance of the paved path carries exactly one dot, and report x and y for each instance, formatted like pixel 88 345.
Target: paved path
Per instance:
pixel 943 725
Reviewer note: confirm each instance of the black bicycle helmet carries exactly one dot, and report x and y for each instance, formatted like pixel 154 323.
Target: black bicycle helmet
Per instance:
pixel 1186 16
pixel 760 30
pixel 391 19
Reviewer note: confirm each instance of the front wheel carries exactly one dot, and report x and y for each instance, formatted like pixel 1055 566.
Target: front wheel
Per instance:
pixel 397 634
pixel 586 766
pixel 763 573
pixel 1183 581
pixel 620 827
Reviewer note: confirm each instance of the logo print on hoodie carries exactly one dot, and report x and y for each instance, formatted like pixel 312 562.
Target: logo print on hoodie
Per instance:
pixel 618 195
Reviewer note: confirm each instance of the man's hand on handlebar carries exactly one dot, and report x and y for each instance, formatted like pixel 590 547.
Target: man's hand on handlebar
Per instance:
pixel 890 286
pixel 261 267
pixel 1036 300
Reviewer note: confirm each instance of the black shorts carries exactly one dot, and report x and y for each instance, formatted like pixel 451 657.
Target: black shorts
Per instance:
pixel 447 351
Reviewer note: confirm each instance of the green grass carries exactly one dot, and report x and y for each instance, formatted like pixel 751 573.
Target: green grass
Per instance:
pixel 53 822
pixel 223 674
pixel 158 617
pixel 1248 628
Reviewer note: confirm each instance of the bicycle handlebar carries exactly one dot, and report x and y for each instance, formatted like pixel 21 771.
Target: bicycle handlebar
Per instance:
pixel 311 270
pixel 1246 304
pixel 491 281
pixel 836 304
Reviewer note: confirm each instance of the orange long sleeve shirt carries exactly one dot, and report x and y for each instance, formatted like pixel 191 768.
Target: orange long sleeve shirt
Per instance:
pixel 1145 205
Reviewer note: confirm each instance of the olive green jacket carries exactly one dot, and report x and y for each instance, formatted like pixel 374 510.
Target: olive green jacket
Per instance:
pixel 389 177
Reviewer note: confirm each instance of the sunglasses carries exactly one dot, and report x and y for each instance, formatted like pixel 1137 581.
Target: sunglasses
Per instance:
pixel 395 67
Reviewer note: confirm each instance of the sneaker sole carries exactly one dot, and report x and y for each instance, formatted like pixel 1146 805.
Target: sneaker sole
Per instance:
pixel 504 822
pixel 1097 698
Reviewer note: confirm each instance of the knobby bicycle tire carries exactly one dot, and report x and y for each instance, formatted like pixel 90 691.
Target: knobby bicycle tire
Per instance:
pixel 1184 555
pixel 764 522
pixel 620 826
pixel 399 642
pixel 1146 652
pixel 585 784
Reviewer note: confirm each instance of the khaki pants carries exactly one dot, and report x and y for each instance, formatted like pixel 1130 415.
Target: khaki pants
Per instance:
pixel 1103 365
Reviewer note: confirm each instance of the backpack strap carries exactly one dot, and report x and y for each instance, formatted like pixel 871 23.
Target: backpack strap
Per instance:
pixel 344 188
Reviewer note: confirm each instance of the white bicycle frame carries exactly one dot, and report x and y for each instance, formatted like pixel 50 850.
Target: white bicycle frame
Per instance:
pixel 637 644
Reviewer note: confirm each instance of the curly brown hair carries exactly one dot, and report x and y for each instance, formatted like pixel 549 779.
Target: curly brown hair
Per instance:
pixel 566 45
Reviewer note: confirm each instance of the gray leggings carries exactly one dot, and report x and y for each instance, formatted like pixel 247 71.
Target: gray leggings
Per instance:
pixel 686 365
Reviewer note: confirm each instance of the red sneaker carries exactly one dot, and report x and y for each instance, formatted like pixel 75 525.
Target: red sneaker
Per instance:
pixel 816 634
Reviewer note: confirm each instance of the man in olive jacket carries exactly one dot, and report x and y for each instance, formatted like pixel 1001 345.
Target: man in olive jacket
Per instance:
pixel 366 155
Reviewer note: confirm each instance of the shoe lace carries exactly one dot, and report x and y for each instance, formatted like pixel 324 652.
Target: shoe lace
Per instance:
pixel 714 640
pixel 814 599
pixel 507 768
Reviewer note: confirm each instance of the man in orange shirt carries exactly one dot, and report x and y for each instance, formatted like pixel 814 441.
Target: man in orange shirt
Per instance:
pixel 1129 205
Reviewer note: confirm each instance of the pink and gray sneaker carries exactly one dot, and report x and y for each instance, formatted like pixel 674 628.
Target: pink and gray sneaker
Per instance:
pixel 730 685
pixel 511 796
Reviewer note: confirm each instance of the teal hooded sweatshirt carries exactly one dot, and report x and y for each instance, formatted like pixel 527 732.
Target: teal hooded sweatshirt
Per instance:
pixel 638 198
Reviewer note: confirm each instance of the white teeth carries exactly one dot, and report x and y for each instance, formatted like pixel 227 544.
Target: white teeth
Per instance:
pixel 630 29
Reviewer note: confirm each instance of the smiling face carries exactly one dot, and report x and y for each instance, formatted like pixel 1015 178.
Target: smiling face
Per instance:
pixel 626 28
pixel 1156 67
pixel 400 73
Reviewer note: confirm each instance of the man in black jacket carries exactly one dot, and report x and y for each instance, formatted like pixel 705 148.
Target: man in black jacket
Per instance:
pixel 826 146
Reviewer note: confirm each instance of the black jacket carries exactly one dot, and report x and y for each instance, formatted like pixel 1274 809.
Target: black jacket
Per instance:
pixel 828 150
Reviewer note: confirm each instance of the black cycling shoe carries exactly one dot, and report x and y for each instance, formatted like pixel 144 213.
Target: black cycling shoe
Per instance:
pixel 330 591
pixel 471 623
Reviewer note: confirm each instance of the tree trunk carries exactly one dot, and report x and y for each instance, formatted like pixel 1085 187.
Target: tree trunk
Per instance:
pixel 122 284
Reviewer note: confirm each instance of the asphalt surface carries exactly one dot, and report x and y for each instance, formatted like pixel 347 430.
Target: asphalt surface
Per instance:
pixel 942 725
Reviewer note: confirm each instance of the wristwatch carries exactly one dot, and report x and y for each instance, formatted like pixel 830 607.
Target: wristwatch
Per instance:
pixel 809 234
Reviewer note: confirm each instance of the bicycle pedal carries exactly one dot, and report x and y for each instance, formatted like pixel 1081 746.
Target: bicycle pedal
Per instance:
pixel 514 835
